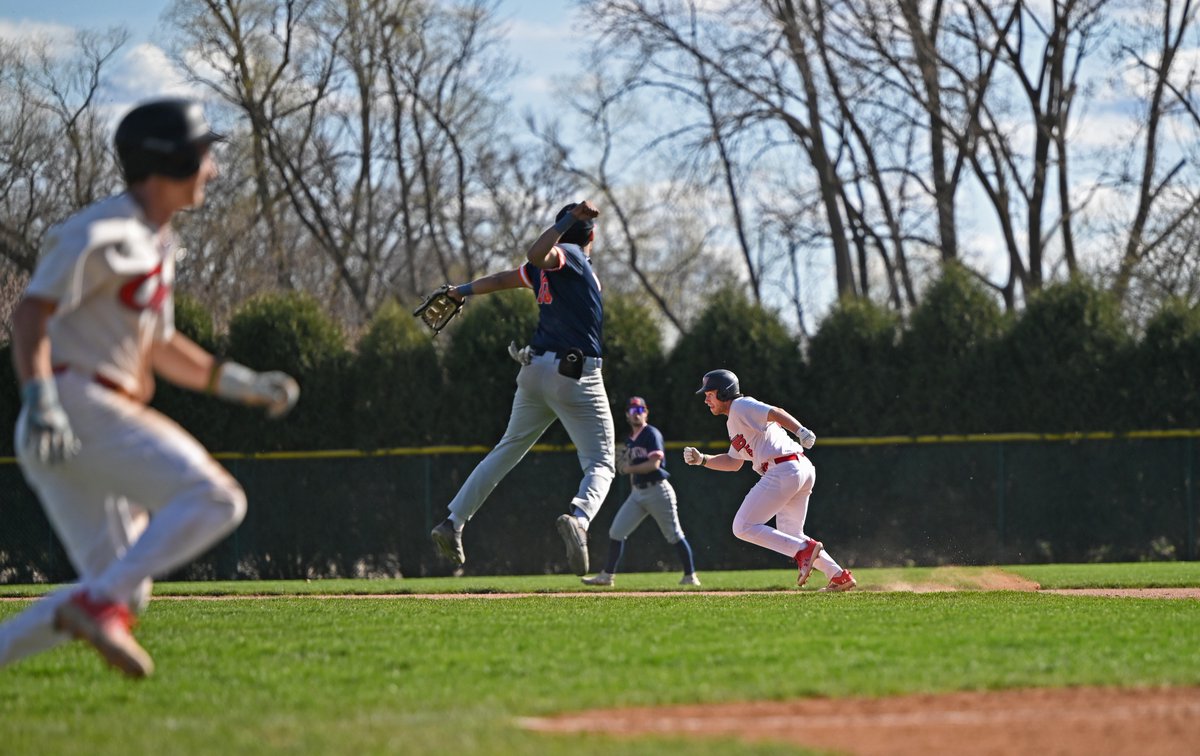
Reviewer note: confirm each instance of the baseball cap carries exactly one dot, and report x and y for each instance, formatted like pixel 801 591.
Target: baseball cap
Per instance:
pixel 635 401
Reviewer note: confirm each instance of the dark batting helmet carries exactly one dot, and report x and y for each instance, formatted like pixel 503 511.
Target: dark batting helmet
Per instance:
pixel 580 233
pixel 163 137
pixel 724 382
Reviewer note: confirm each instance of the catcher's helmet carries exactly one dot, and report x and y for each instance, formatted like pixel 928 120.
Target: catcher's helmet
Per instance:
pixel 724 382
pixel 163 137
pixel 580 233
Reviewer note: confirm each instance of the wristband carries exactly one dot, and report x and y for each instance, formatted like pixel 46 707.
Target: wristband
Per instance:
pixel 465 290
pixel 563 224
pixel 704 460
pixel 214 375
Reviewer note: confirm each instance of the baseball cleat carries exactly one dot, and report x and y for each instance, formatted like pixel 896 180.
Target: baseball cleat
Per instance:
pixel 574 536
pixel 449 542
pixel 805 558
pixel 690 579
pixel 105 625
pixel 838 583
pixel 601 578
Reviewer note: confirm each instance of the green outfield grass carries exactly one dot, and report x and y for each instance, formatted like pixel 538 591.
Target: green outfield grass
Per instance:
pixel 297 675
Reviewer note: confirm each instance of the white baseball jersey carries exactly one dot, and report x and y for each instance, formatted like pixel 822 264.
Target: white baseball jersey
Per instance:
pixel 111 274
pixel 753 437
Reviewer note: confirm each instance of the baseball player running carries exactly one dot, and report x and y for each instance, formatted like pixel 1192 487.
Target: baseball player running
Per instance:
pixel 130 493
pixel 559 378
pixel 644 460
pixel 757 433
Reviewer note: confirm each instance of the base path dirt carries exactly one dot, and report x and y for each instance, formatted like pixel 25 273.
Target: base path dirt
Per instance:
pixel 1083 721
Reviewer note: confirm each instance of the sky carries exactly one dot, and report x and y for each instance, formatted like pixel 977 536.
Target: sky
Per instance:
pixel 536 34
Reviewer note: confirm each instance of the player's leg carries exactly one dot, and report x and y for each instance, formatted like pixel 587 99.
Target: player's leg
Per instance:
pixel 762 503
pixel 582 406
pixel 662 504
pixel 623 525
pixel 95 531
pixel 627 519
pixel 794 513
pixel 194 502
pixel 530 418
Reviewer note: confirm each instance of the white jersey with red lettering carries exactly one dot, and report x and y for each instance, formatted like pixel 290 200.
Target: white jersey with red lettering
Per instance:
pixel 111 274
pixel 753 437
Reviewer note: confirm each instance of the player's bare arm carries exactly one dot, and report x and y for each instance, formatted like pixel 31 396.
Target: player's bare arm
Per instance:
pixel 185 363
pixel 31 347
pixel 508 279
pixel 722 462
pixel 543 253
pixel 793 426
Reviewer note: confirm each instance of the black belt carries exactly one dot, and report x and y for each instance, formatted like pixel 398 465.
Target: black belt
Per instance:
pixel 538 352
pixel 647 485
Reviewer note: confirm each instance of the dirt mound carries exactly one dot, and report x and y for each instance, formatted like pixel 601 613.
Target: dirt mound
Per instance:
pixel 1084 721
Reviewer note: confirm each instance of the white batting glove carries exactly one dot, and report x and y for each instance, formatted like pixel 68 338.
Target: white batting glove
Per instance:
pixel 276 391
pixel 43 427
pixel 693 456
pixel 522 355
pixel 807 437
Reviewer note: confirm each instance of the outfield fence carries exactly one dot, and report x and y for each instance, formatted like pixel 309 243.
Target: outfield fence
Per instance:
pixel 980 499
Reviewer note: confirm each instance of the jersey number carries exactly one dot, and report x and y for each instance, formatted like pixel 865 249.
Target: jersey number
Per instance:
pixel 544 296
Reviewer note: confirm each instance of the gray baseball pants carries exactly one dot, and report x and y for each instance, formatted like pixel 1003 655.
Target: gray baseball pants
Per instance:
pixel 542 397
pixel 657 501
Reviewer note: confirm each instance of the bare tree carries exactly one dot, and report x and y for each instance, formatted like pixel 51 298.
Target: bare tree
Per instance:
pixel 369 121
pixel 54 153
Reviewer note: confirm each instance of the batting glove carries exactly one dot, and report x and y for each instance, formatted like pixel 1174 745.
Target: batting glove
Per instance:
pixel 807 437
pixel 44 428
pixel 523 355
pixel 276 391
pixel 693 456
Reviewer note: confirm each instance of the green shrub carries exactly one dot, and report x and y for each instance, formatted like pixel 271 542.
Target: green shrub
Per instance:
pixel 480 376
pixel 398 384
pixel 854 373
pixel 947 353
pixel 1165 369
pixel 1062 368
pixel 292 333
pixel 738 335
pixel 633 356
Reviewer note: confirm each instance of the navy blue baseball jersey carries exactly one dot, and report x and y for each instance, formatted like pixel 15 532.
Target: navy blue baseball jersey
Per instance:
pixel 570 312
pixel 647 444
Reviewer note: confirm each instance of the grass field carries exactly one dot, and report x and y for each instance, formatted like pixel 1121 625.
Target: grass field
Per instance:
pixel 290 674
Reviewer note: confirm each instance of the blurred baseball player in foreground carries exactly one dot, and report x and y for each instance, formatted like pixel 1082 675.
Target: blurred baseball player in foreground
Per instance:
pixel 559 379
pixel 644 460
pixel 757 433
pixel 130 494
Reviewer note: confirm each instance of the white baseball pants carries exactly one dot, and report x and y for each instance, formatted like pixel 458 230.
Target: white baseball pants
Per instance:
pixel 141 499
pixel 782 493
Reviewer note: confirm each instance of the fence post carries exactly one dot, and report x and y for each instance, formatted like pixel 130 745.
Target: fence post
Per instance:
pixel 428 504
pixel 1000 498
pixel 1189 494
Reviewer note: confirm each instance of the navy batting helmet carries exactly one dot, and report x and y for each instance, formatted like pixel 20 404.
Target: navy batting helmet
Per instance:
pixel 724 382
pixel 580 233
pixel 163 137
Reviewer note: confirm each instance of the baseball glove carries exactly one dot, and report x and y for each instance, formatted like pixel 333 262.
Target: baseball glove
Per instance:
pixel 438 309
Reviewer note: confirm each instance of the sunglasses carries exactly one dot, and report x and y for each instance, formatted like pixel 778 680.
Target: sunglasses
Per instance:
pixel 637 410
